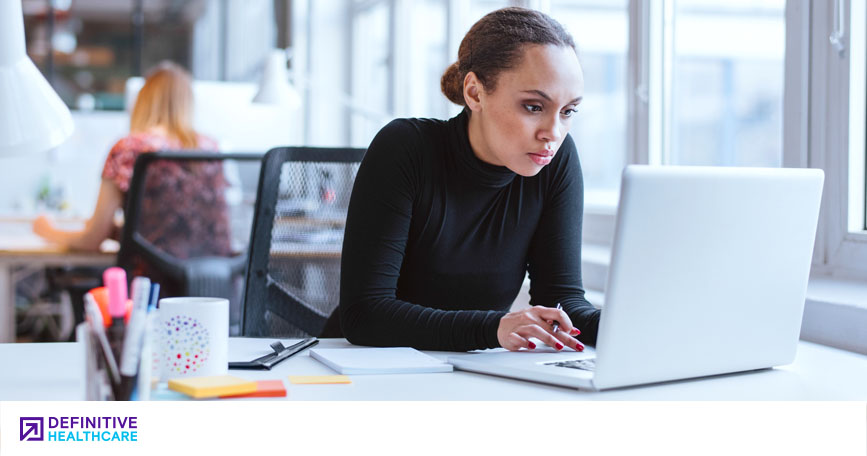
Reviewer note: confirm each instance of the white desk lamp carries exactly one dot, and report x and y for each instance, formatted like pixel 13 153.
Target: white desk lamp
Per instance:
pixel 33 118
pixel 274 89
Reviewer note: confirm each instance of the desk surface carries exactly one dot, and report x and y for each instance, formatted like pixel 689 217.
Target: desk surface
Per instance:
pixel 18 240
pixel 55 372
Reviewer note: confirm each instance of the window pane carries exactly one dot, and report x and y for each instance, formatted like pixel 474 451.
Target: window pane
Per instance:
pixel 857 53
pixel 601 33
pixel 371 75
pixel 479 8
pixel 726 82
pixel 428 59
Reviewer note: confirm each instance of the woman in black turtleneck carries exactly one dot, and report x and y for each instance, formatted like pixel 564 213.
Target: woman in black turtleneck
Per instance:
pixel 447 216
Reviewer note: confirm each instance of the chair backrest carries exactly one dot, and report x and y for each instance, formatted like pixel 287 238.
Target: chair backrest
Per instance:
pixel 187 221
pixel 293 278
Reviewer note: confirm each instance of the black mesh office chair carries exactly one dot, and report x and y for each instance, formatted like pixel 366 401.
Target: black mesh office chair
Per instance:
pixel 293 278
pixel 188 218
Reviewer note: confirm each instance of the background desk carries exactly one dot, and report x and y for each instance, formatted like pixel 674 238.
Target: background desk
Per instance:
pixel 21 250
pixel 56 372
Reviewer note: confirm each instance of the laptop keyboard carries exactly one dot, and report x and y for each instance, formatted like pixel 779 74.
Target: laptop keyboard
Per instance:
pixel 588 364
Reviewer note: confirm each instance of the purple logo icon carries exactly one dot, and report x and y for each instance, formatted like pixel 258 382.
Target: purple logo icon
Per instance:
pixel 31 428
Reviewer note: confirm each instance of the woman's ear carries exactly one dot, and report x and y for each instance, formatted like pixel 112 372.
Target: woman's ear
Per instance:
pixel 473 91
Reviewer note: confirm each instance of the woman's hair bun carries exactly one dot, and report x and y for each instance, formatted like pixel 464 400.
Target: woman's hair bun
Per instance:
pixel 452 85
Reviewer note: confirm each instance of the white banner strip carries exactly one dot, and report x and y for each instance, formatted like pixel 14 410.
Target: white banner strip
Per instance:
pixel 283 427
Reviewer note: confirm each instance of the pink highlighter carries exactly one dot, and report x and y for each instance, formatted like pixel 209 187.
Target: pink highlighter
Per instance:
pixel 115 280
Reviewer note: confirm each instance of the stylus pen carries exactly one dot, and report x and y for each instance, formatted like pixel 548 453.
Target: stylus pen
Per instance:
pixel 557 323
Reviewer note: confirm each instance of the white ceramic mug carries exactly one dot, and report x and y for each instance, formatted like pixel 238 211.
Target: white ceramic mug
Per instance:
pixel 194 337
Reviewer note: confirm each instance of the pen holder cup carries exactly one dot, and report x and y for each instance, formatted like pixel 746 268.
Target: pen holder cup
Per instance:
pixel 194 337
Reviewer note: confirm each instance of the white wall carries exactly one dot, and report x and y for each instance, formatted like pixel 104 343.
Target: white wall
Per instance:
pixel 75 166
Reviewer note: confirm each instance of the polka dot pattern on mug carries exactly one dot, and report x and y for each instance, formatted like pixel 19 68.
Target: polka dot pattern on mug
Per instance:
pixel 186 344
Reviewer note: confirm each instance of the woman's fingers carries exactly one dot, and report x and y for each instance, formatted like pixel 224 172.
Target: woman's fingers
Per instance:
pixel 542 334
pixel 570 341
pixel 557 339
pixel 515 341
pixel 549 316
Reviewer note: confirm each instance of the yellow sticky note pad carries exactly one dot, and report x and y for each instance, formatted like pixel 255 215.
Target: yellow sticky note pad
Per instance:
pixel 202 387
pixel 318 379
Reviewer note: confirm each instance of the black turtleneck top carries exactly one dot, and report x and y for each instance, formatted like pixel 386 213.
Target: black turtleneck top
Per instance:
pixel 437 242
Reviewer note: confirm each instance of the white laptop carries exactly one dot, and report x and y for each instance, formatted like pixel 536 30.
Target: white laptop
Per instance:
pixel 708 276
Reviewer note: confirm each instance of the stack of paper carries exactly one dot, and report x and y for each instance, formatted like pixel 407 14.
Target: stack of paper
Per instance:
pixel 390 360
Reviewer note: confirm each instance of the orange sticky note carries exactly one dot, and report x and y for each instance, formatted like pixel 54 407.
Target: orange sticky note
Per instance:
pixel 264 388
pixel 318 379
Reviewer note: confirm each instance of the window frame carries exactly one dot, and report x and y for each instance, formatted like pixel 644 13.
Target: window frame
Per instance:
pixel 840 250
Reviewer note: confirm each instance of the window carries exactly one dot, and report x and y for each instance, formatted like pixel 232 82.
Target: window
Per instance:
pixel 428 58
pixel 723 82
pixel 601 33
pixel 371 69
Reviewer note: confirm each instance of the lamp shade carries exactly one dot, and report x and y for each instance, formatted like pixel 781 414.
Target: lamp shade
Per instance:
pixel 33 118
pixel 274 89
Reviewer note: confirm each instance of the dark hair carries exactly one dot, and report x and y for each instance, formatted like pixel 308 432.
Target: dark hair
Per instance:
pixel 494 44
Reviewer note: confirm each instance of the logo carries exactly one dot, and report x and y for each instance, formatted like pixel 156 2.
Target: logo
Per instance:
pixel 79 428
pixel 31 428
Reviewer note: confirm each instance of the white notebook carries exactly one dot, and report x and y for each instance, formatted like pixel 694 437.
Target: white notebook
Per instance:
pixel 389 360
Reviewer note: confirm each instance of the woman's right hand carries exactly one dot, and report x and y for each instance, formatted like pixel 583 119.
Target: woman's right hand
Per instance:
pixel 516 329
pixel 43 226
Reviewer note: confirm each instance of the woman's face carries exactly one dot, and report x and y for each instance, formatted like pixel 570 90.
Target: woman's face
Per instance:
pixel 522 123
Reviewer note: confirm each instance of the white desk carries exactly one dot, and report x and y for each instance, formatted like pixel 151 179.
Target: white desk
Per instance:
pixel 20 249
pixel 55 371
pixel 45 372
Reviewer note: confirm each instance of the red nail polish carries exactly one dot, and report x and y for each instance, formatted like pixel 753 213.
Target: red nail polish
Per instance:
pixel 559 346
pixel 576 332
pixel 581 348
pixel 532 346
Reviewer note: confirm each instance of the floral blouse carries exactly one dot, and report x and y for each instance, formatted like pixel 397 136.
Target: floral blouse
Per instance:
pixel 183 209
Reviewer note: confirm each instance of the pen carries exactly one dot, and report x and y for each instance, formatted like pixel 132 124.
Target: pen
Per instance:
pixel 557 323
pixel 154 296
pixel 129 361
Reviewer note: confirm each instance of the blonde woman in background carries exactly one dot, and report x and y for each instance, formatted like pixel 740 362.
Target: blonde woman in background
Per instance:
pixel 161 120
